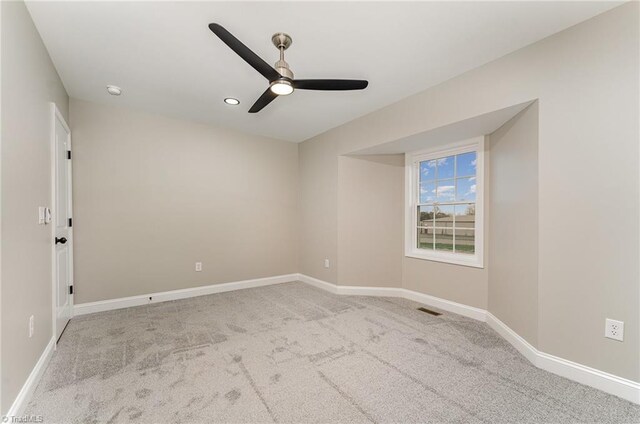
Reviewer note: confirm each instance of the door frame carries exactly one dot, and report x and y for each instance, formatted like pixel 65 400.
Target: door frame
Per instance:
pixel 57 115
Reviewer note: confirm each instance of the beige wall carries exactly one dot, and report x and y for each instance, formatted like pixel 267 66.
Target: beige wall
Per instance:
pixel 153 195
pixel 29 83
pixel 462 284
pixel 513 228
pixel 586 81
pixel 318 213
pixel 370 220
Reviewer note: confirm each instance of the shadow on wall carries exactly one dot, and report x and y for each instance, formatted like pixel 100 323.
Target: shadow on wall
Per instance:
pixel 513 227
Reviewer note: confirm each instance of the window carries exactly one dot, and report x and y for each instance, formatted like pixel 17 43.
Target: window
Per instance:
pixel 444 204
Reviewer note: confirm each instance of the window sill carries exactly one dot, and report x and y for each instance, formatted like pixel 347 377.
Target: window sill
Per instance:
pixel 453 259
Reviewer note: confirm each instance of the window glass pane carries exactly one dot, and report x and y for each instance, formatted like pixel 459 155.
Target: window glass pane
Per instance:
pixel 466 189
pixel 465 241
pixel 465 215
pixel 425 238
pixel 427 192
pixel 445 198
pixel 444 215
pixel 427 170
pixel 446 167
pixel 444 239
pixel 466 164
pixel 446 191
pixel 425 216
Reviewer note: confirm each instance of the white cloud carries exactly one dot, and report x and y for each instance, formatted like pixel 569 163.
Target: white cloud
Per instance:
pixel 446 192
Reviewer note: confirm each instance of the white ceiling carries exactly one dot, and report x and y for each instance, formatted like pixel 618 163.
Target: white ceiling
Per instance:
pixel 166 60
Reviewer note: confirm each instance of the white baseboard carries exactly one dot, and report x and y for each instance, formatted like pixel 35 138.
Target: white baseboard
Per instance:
pixel 318 283
pixel 24 396
pixel 445 305
pixel 143 299
pixel 369 291
pixel 435 302
pixel 524 347
pixel 609 383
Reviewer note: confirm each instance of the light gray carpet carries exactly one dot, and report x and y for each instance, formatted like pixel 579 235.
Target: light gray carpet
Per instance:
pixel 294 353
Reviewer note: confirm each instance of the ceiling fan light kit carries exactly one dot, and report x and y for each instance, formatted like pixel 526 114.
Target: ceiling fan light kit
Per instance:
pixel 281 87
pixel 280 77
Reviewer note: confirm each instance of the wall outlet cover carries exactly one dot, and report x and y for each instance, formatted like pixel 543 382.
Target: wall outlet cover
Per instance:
pixel 198 266
pixel 614 329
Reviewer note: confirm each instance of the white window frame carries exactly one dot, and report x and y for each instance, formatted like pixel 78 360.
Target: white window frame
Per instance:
pixel 412 175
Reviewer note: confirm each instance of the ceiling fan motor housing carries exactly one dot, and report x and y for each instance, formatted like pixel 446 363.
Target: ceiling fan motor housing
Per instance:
pixel 283 68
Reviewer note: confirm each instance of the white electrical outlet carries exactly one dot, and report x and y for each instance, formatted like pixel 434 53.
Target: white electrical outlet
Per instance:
pixel 198 266
pixel 31 319
pixel 326 263
pixel 614 329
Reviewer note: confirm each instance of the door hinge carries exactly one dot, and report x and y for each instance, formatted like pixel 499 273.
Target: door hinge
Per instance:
pixel 70 222
pixel 68 154
pixel 70 289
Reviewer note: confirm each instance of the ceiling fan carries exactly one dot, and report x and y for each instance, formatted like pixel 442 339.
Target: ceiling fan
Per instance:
pixel 281 82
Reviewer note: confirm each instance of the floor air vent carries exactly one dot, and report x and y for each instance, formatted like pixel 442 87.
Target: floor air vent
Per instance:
pixel 429 311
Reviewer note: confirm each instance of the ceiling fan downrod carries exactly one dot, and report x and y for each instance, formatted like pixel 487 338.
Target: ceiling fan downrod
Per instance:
pixel 282 42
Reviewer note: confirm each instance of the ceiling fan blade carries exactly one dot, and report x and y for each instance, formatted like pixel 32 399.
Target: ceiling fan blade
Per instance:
pixel 266 98
pixel 330 84
pixel 244 52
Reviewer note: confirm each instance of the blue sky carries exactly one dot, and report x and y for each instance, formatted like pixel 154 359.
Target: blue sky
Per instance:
pixel 438 182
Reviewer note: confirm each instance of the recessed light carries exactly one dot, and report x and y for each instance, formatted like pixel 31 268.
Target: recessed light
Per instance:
pixel 232 101
pixel 114 90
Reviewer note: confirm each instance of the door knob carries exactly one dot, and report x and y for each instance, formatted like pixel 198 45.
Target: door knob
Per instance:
pixel 61 240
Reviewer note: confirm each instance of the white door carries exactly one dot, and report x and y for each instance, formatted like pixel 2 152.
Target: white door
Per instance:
pixel 62 224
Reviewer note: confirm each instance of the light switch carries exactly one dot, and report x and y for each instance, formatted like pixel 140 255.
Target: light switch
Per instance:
pixel 41 215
